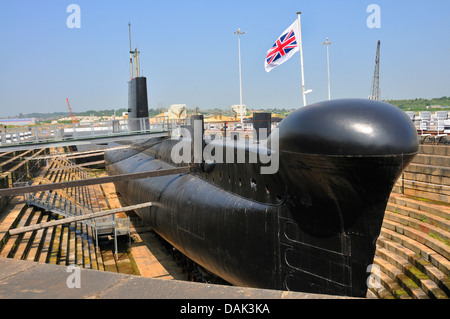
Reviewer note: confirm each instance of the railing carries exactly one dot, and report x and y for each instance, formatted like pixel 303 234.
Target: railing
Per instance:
pixel 423 183
pixel 82 174
pixel 423 189
pixel 58 204
pixel 427 126
pixel 107 225
pixel 229 129
pixel 111 128
pixel 63 132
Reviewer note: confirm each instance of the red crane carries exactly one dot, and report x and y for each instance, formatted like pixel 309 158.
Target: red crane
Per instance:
pixel 74 119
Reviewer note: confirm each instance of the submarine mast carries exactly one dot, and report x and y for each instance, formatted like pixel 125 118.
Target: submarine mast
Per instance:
pixel 137 93
pixel 131 52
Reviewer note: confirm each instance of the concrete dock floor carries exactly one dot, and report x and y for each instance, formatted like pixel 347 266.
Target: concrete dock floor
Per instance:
pixel 20 279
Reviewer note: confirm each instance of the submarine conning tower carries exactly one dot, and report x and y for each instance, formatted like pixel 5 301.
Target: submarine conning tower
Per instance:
pixel 137 103
pixel 137 93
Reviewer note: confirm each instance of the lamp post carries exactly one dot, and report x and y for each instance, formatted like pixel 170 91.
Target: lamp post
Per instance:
pixel 239 33
pixel 327 43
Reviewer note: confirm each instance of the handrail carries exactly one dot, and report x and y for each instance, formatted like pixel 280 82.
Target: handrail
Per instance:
pixel 424 126
pixel 17 231
pixel 425 183
pixel 65 132
pixel 42 203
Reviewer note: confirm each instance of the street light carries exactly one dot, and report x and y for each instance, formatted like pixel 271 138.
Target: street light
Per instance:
pixel 327 43
pixel 239 33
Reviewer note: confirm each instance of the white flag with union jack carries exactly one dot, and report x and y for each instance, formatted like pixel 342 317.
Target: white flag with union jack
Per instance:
pixel 284 48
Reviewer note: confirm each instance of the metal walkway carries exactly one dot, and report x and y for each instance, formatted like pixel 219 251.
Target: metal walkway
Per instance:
pixel 62 205
pixel 44 136
pixel 70 205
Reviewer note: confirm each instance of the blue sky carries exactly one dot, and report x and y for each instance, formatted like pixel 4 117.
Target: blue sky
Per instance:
pixel 189 53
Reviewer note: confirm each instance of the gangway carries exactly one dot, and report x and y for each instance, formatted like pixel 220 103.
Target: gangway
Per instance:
pixel 57 135
pixel 103 226
pixel 61 203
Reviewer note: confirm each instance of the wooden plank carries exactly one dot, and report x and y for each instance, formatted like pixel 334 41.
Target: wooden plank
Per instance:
pixel 78 165
pixel 5 165
pixel 90 154
pixel 93 181
pixel 80 154
pixel 21 230
pixel 24 161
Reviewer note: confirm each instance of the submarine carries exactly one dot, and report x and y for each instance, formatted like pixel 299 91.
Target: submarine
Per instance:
pixel 300 210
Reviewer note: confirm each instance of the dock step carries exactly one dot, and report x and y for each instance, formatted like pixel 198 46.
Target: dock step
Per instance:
pixel 413 250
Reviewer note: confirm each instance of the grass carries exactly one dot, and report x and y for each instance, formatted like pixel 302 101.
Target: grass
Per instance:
pixel 426 200
pixel 445 241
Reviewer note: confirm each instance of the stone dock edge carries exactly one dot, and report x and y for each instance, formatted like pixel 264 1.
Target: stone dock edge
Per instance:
pixel 20 279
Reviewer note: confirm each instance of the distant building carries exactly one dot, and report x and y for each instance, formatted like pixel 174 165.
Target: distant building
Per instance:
pixel 19 122
pixel 175 112
pixel 237 110
pixel 438 107
pixel 218 118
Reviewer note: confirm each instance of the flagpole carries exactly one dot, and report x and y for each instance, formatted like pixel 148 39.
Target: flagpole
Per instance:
pixel 238 32
pixel 240 76
pixel 301 58
pixel 327 43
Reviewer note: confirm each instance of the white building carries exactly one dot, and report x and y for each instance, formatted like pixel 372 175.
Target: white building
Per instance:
pixel 19 122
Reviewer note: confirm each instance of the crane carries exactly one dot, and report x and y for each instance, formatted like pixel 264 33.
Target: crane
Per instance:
pixel 375 94
pixel 74 119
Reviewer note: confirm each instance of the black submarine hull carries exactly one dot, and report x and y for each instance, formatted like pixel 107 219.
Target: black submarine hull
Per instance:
pixel 310 226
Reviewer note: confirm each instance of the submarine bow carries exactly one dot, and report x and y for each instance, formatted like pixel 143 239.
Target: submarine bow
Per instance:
pixel 310 226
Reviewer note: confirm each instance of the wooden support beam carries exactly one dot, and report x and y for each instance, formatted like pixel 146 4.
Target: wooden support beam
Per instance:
pixel 93 181
pixel 71 157
pixel 21 163
pixel 67 220
pixel 78 165
pixel 5 165
pixel 81 154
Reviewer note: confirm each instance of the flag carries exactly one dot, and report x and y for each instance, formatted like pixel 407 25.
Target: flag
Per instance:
pixel 284 48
